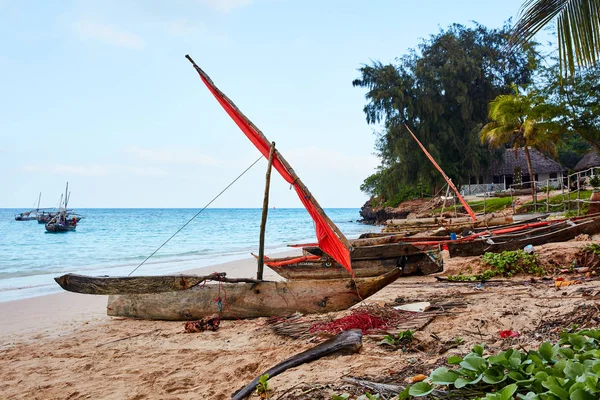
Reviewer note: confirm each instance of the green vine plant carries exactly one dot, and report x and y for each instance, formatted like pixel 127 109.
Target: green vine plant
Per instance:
pixel 403 338
pixel 506 264
pixel 567 370
pixel 262 388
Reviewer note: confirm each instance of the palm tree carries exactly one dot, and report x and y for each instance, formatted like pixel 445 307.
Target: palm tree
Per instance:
pixel 578 29
pixel 522 121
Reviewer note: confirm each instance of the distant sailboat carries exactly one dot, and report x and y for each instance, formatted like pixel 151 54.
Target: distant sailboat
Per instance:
pixel 62 221
pixel 30 215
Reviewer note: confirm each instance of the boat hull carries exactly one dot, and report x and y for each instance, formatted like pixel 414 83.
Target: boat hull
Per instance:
pixel 554 233
pixel 424 263
pixel 59 228
pixel 250 300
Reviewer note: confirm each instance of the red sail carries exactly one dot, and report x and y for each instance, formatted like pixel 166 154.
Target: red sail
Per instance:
pixel 329 242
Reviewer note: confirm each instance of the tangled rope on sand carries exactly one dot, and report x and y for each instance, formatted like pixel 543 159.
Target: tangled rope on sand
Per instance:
pixel 205 324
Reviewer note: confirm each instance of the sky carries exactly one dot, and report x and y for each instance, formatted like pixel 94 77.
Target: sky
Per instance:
pixel 99 94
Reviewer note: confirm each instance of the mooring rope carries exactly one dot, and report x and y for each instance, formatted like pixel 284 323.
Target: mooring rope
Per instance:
pixel 198 213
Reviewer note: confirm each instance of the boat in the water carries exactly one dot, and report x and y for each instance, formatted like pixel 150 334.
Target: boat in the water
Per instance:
pixel 63 220
pixel 30 215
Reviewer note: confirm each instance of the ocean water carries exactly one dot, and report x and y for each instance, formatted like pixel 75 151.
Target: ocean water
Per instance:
pixel 115 241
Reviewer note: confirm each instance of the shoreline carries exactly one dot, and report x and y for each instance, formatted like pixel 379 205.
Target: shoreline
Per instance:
pixel 58 314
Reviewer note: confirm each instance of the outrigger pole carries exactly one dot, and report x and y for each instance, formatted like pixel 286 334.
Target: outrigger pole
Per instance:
pixel 435 164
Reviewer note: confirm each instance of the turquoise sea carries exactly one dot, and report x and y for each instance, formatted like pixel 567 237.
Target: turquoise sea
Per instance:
pixel 115 241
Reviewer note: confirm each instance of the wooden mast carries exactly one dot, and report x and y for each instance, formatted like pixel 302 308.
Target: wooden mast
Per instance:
pixel 263 222
pixel 287 166
pixel 435 164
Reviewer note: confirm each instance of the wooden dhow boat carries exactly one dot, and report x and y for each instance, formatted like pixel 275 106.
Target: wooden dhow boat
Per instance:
pixel 310 266
pixel 184 298
pixel 559 231
pixel 30 215
pixel 230 299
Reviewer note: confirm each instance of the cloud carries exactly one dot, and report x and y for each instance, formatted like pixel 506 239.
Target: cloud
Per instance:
pixel 95 170
pixel 171 156
pixel 92 30
pixel 226 6
pixel 183 27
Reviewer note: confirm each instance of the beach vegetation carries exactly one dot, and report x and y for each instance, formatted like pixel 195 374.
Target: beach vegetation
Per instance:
pixel 568 369
pixel 558 203
pixel 506 264
pixel 262 387
pixel 403 338
pixel 432 89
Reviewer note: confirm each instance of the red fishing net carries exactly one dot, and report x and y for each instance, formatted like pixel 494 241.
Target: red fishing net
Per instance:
pixel 368 319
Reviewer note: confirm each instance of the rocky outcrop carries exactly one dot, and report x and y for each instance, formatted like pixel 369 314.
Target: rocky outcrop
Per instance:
pixel 378 215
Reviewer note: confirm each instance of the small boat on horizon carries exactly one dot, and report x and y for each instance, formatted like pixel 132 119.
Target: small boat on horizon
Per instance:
pixel 31 214
pixel 62 220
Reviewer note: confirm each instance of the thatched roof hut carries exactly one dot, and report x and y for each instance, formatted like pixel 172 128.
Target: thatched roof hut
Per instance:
pixel 589 160
pixel 541 164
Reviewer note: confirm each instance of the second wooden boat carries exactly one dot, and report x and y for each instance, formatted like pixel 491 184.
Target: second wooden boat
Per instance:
pixel 324 267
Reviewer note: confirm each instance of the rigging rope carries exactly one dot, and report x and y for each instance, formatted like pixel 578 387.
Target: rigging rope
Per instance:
pixel 198 213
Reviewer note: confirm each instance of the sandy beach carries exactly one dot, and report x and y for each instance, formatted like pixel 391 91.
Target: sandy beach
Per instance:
pixel 64 346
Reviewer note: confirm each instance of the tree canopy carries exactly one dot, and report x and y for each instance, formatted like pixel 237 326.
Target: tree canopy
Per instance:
pixel 441 90
pixel 522 121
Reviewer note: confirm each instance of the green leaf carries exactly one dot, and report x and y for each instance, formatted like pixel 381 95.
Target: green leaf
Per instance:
pixel 546 351
pixel 340 397
pixel 591 383
pixel 499 359
pixel 528 396
pixel 507 392
pixel 478 349
pixel 403 395
pixel 420 389
pixel 566 353
pixel 577 341
pixel 574 369
pixel 580 394
pixel 454 360
pixel 516 376
pixel 462 382
pixel 558 391
pixel 576 386
pixel 443 376
pixel 473 363
pixel 494 375
pixel 541 376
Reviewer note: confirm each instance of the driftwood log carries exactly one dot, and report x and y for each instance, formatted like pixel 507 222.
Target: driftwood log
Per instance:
pixel 350 341
pixel 105 285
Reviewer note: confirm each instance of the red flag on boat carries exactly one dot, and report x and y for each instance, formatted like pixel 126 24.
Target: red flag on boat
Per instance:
pixel 329 242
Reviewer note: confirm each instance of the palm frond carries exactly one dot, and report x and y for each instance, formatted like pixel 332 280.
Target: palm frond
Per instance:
pixel 578 26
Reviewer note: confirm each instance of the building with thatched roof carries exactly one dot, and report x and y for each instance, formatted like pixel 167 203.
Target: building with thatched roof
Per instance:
pixel 589 160
pixel 512 169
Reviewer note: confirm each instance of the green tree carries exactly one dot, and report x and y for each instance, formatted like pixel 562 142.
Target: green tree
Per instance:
pixel 441 90
pixel 522 121
pixel 578 97
pixel 578 29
